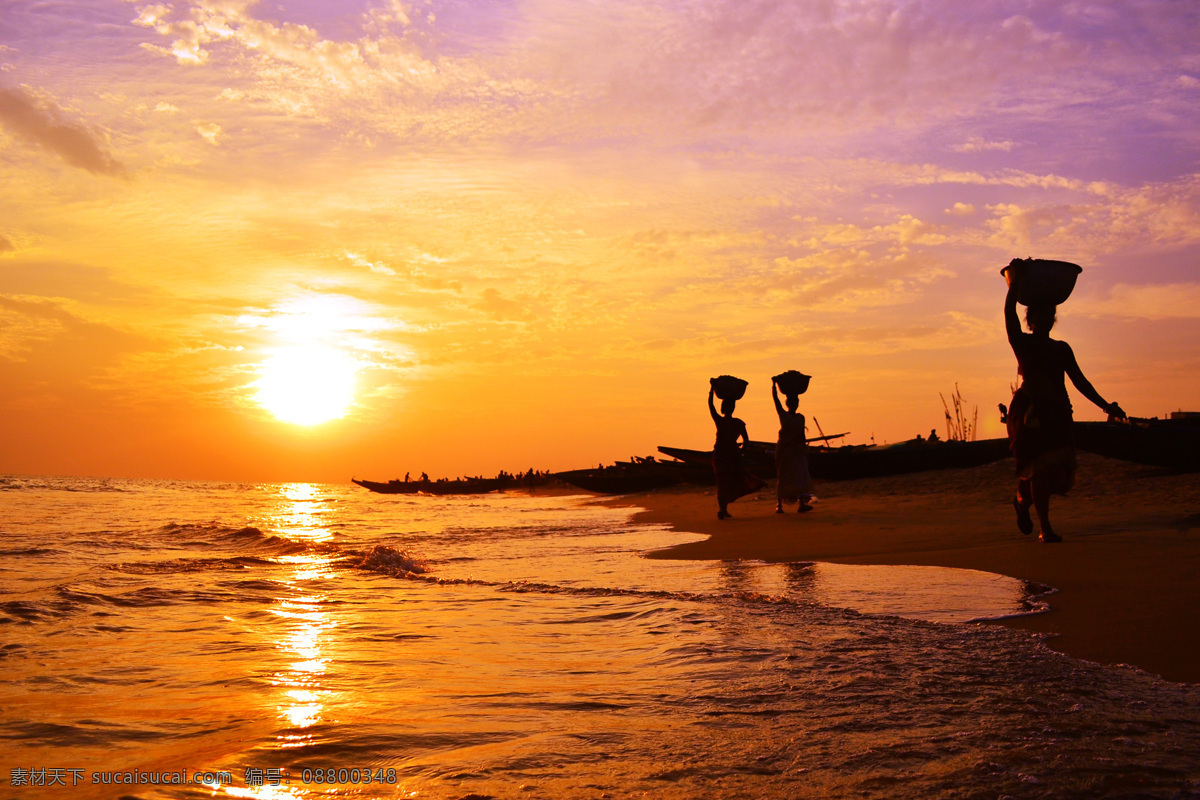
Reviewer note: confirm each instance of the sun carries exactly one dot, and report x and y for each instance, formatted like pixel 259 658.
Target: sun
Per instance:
pixel 307 385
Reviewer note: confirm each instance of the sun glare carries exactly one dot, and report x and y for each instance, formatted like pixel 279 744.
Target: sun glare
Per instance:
pixel 307 385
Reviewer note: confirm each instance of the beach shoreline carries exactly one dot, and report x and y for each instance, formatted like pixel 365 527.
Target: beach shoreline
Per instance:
pixel 1126 577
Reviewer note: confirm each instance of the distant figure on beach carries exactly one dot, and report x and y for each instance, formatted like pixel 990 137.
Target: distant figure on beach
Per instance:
pixel 791 454
pixel 1039 419
pixel 732 479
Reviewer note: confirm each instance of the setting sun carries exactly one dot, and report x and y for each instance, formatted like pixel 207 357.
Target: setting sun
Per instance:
pixel 307 385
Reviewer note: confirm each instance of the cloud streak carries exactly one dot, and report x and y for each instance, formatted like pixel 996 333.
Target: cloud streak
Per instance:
pixel 1179 301
pixel 41 122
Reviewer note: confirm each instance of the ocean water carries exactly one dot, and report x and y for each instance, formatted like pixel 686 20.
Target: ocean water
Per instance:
pixel 303 640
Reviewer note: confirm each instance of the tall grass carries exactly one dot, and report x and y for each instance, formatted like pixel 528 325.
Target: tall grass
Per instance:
pixel 958 427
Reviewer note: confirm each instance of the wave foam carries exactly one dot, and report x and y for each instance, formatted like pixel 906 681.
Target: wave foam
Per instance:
pixel 390 561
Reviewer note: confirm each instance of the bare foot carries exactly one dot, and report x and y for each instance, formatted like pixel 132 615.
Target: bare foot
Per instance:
pixel 1024 521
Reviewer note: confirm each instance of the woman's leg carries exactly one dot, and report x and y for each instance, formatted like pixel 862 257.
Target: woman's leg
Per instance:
pixel 1041 504
pixel 1021 503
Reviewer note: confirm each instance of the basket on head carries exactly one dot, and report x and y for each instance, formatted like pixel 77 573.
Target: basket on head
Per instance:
pixel 792 382
pixel 1044 282
pixel 728 387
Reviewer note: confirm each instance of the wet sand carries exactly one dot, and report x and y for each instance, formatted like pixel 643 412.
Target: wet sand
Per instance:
pixel 1127 574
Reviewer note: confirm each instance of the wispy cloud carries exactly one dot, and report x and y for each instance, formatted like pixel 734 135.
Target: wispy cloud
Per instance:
pixel 38 120
pixel 978 145
pixel 1105 218
pixel 27 323
pixel 569 74
pixel 1177 301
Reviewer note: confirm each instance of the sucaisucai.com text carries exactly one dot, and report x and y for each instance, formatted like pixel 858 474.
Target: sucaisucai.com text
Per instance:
pixel 73 776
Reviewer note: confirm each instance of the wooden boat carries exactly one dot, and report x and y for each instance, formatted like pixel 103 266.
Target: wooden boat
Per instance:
pixel 756 456
pixel 643 475
pixel 914 455
pixel 1172 443
pixel 456 486
pixel 865 461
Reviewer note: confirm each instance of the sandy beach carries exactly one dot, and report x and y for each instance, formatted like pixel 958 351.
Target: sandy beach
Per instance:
pixel 1127 574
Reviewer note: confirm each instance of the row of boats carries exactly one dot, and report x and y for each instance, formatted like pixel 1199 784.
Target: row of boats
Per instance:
pixel 825 463
pixel 1173 443
pixel 454 486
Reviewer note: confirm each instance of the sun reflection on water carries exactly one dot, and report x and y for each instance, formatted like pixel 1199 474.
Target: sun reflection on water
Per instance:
pixel 303 516
pixel 302 696
pixel 266 792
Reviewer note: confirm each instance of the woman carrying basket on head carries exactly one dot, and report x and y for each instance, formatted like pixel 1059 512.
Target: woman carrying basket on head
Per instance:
pixel 732 479
pixel 791 450
pixel 1040 417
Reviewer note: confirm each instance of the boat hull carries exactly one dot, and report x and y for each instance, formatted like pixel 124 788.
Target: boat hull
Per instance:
pixel 860 461
pixel 435 487
pixel 839 463
pixel 1160 443
pixel 628 477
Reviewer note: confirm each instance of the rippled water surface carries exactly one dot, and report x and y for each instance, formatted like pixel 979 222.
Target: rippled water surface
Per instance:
pixel 314 637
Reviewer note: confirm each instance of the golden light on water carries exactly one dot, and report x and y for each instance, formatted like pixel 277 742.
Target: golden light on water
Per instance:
pixel 266 792
pixel 307 709
pixel 302 516
pixel 302 698
pixel 301 701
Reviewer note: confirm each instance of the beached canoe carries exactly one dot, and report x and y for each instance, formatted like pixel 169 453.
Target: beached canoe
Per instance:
pixel 613 481
pixel 457 486
pixel 915 455
pixel 644 475
pixel 1172 443
pixel 865 461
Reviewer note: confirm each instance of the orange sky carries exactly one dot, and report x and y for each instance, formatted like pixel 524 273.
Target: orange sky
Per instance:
pixel 511 234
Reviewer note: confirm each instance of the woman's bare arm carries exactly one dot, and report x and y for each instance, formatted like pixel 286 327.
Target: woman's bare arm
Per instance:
pixel 1084 385
pixel 712 409
pixel 1012 322
pixel 745 436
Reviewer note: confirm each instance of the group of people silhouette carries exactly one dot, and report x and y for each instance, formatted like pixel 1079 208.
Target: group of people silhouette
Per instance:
pixel 1039 419
pixel 791 450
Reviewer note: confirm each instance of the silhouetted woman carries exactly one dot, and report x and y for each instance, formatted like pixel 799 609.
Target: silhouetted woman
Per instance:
pixel 732 479
pixel 791 454
pixel 1039 419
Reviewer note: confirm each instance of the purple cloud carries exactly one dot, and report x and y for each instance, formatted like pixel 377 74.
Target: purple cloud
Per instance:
pixel 43 124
